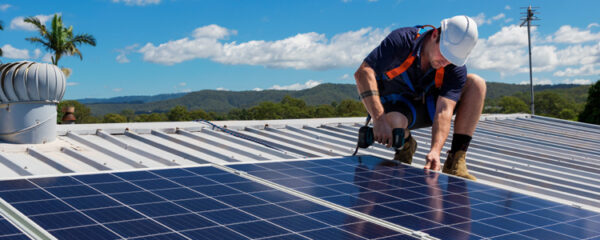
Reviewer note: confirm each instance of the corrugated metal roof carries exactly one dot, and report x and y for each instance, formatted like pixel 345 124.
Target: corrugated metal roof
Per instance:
pixel 551 158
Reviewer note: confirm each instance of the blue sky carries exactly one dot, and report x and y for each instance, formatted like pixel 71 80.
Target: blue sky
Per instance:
pixel 147 47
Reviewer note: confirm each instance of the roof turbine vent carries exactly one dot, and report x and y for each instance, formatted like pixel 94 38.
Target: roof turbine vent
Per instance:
pixel 29 92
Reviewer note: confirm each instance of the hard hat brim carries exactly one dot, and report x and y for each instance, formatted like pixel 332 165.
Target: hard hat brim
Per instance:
pixel 444 48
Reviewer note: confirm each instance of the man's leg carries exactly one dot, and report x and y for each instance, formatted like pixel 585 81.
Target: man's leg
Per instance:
pixel 399 120
pixel 469 111
pixel 467 117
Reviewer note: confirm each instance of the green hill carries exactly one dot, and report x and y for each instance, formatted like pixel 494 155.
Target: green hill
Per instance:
pixel 224 101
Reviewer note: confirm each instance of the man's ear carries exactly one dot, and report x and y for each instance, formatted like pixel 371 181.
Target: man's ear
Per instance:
pixel 435 33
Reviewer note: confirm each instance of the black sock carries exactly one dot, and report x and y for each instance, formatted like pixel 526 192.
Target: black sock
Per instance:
pixel 460 142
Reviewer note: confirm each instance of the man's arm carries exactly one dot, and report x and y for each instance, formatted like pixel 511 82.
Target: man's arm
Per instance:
pixel 439 131
pixel 366 83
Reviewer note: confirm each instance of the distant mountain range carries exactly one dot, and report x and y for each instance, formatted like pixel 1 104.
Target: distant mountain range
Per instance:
pixel 224 101
pixel 132 99
pixel 220 101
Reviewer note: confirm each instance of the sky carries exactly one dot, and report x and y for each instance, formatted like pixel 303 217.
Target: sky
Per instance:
pixel 149 47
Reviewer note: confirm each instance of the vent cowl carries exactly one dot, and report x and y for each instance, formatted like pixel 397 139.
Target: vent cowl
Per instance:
pixel 29 92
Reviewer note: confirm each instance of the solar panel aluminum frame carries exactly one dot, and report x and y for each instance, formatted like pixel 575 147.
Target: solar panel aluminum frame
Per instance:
pixel 23 223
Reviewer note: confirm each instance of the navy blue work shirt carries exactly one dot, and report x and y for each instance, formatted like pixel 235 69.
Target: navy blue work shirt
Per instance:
pixel 396 47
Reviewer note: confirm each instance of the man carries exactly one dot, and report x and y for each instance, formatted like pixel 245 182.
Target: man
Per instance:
pixel 411 81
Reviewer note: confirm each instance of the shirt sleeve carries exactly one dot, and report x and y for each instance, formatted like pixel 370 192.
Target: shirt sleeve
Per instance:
pixel 454 81
pixel 395 45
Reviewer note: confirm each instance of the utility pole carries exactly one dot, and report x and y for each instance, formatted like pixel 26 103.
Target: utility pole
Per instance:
pixel 529 16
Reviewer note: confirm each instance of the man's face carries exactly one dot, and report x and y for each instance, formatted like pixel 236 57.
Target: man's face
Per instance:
pixel 436 59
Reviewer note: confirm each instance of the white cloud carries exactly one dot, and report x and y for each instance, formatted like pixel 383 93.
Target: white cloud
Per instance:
pixel 3 7
pixel 117 89
pixel 579 54
pixel 187 90
pixel 297 86
pixel 568 34
pixel 37 53
pixel 14 53
pixel 302 51
pixel 346 1
pixel 213 31
pixel 345 76
pixel 498 17
pixel 72 84
pixel 508 20
pixel 504 52
pixel 507 7
pixel 257 89
pixel 182 84
pixel 47 57
pixel 544 58
pixel 577 81
pixel 222 89
pixel 585 70
pixel 537 81
pixel 137 2
pixel 591 25
pixel 18 22
pixel 122 57
pixel 480 19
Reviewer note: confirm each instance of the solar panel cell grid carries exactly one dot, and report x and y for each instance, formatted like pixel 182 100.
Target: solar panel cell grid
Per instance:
pixel 443 206
pixel 9 232
pixel 160 204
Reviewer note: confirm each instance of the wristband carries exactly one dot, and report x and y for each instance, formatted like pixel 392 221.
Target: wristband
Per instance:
pixel 369 93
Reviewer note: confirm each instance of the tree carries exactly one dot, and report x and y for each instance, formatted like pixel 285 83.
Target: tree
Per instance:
pixel 199 114
pixel 59 39
pixel 266 110
pixel 551 104
pixel 114 118
pixel 323 111
pixel 179 113
pixel 350 108
pixel 153 117
pixel 128 114
pixel 512 104
pixel 591 111
pixel 82 112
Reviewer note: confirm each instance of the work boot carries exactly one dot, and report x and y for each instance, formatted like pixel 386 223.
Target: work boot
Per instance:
pixel 405 154
pixel 456 164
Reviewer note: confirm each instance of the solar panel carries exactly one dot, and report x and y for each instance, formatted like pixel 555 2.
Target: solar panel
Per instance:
pixel 181 203
pixel 442 206
pixel 9 232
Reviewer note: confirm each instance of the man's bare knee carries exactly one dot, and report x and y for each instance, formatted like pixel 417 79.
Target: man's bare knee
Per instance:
pixel 476 82
pixel 396 120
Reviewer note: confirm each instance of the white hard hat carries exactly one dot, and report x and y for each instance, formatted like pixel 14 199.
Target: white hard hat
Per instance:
pixel 459 36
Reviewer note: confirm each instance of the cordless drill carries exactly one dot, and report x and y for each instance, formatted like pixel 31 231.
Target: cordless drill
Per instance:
pixel 366 137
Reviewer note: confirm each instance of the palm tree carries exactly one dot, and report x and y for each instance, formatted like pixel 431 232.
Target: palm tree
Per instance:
pixel 59 39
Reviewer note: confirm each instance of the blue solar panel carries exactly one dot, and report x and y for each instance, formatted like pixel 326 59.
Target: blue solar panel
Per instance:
pixel 9 231
pixel 442 206
pixel 196 203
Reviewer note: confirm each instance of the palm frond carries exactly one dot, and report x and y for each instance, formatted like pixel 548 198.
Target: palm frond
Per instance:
pixel 36 22
pixel 84 38
pixel 39 40
pixel 1 25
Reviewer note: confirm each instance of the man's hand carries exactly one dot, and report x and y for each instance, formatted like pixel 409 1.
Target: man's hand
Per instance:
pixel 432 161
pixel 382 131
